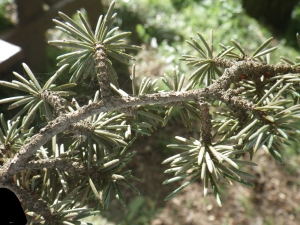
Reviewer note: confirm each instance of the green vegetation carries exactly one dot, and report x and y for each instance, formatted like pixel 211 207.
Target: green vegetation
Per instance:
pixel 5 23
pixel 235 101
pixel 161 21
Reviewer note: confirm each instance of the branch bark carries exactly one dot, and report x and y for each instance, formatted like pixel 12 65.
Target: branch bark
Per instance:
pixel 215 91
pixel 205 125
pixel 58 103
pixel 219 90
pixel 102 70
pixel 65 164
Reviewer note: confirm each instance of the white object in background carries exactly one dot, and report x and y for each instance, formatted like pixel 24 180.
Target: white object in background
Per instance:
pixel 9 54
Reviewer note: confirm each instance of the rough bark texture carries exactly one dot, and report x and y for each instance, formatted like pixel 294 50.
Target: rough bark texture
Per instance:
pixel 216 91
pixel 70 121
pixel 102 71
pixel 55 100
pixel 205 125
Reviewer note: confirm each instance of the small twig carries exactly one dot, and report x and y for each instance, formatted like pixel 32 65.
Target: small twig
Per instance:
pixel 100 58
pixel 205 123
pixel 64 164
pixel 58 103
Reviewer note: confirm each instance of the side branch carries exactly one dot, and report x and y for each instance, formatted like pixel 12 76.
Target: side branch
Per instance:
pixel 58 103
pixel 100 58
pixel 62 164
pixel 249 67
pixel 65 164
pixel 205 125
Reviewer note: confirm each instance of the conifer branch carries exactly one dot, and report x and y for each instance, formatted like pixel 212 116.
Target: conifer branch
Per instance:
pixel 213 92
pixel 104 127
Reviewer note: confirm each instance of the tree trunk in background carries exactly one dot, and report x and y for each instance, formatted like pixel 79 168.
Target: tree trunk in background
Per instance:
pixel 276 13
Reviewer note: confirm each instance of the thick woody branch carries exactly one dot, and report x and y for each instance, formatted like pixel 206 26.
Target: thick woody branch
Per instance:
pixel 62 122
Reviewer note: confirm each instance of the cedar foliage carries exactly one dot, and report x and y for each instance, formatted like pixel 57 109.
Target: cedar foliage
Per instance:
pixel 82 152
